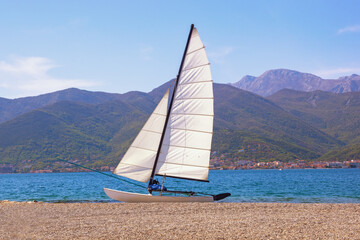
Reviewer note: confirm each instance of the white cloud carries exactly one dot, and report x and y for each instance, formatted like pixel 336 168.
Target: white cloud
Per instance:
pixel 355 28
pixel 28 76
pixel 337 72
pixel 220 54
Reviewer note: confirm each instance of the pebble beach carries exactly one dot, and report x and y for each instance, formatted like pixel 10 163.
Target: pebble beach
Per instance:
pixel 22 220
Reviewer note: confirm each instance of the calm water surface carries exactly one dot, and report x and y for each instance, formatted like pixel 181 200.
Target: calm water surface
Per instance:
pixel 301 186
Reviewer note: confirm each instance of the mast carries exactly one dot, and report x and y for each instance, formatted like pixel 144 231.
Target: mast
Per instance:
pixel 169 109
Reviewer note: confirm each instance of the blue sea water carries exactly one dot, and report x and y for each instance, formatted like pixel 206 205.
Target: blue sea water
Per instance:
pixel 299 186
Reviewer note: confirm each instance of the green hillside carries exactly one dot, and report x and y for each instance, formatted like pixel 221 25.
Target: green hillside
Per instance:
pixel 246 126
pixel 242 110
pixel 244 145
pixel 346 153
pixel 67 130
pixel 336 114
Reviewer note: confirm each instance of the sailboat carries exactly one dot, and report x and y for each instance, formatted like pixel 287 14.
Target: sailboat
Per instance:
pixel 176 139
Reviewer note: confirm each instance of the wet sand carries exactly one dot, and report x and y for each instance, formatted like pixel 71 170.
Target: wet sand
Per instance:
pixel 179 221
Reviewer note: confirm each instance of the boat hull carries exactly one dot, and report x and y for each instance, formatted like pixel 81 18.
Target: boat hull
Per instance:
pixel 137 197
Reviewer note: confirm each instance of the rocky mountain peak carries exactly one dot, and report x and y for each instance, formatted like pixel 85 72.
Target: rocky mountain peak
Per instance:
pixel 272 81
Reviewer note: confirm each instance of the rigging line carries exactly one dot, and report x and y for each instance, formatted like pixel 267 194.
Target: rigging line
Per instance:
pixel 172 83
pixel 59 159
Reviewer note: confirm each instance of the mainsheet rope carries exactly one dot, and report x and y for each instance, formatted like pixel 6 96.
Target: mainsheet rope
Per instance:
pixel 109 175
pixel 123 180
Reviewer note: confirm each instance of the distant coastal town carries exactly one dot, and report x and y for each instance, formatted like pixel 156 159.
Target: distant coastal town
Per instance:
pixel 215 164
pixel 226 164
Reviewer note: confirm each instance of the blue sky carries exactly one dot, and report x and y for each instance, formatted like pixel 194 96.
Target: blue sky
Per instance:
pixel 120 46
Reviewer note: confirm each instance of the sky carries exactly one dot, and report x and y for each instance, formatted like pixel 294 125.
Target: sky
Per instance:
pixel 120 46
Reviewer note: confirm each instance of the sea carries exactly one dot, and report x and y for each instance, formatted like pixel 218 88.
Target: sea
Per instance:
pixel 290 186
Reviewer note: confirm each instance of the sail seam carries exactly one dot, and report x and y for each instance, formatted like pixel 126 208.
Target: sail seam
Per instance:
pixel 187 69
pixel 191 130
pixel 203 47
pixel 204 149
pixel 188 83
pixel 136 165
pixel 154 113
pixel 144 148
pixel 151 131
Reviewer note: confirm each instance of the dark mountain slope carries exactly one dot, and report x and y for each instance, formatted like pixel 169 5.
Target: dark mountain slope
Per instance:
pixel 66 129
pixel 335 114
pixel 238 109
pixel 347 153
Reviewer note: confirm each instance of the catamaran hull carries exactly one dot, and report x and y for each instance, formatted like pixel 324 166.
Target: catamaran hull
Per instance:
pixel 137 197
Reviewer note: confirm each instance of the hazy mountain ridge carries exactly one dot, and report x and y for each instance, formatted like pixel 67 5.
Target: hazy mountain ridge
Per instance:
pixel 268 83
pixel 274 80
pixel 10 108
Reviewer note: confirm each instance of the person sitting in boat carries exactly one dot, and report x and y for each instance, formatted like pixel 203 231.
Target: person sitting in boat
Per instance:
pixel 155 186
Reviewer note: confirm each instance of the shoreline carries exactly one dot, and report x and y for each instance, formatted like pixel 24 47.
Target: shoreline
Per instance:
pixel 252 169
pixel 110 201
pixel 179 220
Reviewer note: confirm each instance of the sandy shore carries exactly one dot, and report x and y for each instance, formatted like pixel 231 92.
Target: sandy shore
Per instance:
pixel 179 221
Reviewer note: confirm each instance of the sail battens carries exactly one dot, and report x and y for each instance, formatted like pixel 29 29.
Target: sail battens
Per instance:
pixel 204 149
pixel 192 98
pixel 187 69
pixel 191 130
pixel 188 83
pixel 185 150
pixel 195 50
pixel 193 114
pixel 176 139
pixel 189 165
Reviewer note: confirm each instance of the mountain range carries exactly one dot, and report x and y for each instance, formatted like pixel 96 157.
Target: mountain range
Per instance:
pixel 96 128
pixel 274 80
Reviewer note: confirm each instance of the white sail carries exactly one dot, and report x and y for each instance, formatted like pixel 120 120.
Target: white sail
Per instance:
pixel 185 151
pixel 138 161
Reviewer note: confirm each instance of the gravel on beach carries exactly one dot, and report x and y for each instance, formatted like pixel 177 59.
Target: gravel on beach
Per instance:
pixel 179 221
